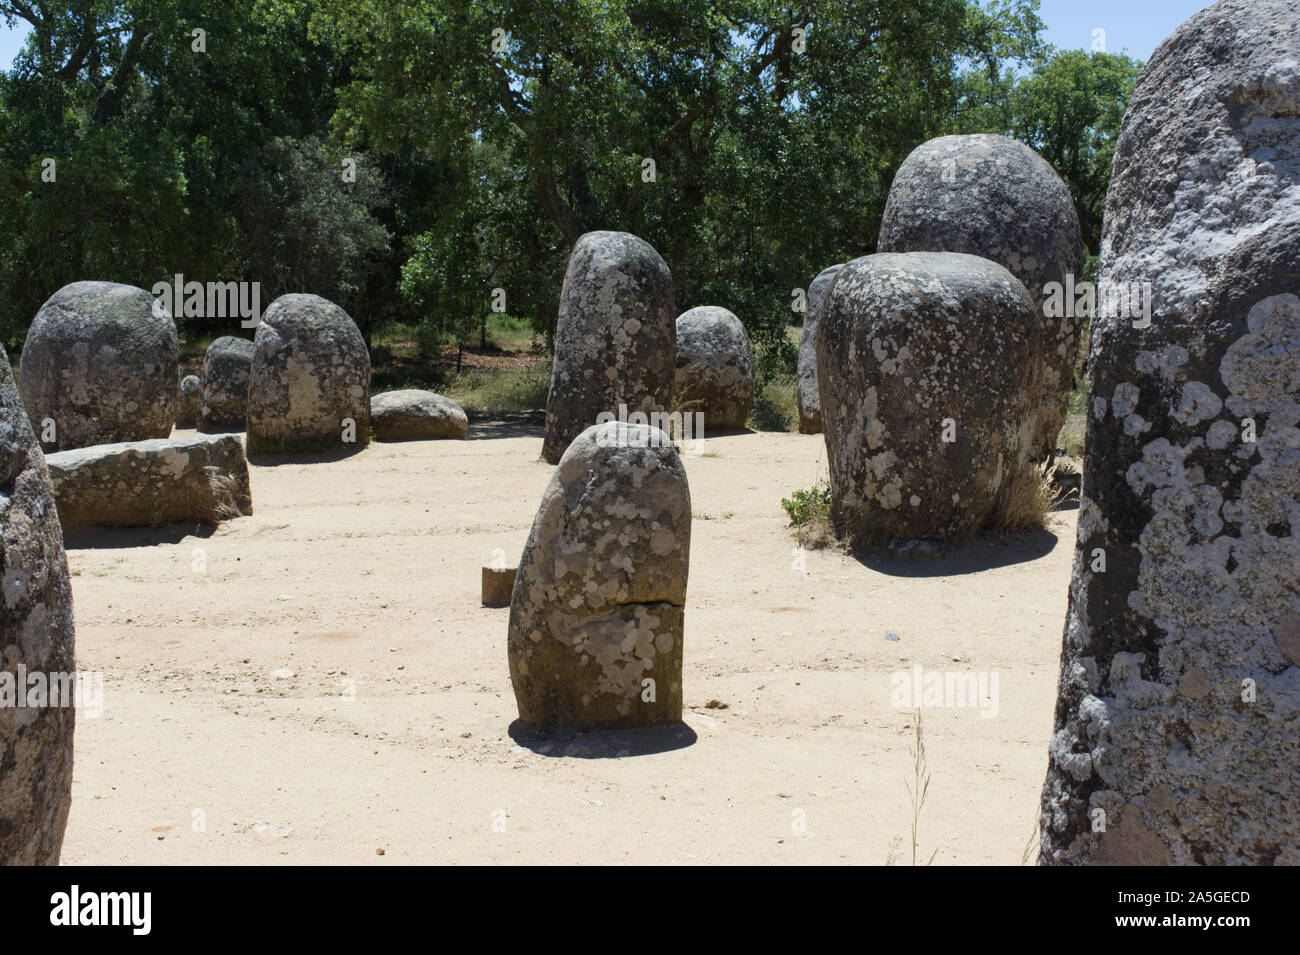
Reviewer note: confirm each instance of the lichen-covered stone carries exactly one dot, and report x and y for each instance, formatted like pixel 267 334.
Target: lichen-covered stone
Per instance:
pixel 995 197
pixel 226 367
pixel 309 386
pixel 1177 733
pixel 412 414
pixel 810 408
pixel 151 483
pixel 914 349
pixel 100 364
pixel 191 398
pixel 598 599
pixel 715 366
pixel 615 339
pixel 36 636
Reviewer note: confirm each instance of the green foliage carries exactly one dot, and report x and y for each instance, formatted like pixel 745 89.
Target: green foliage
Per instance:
pixel 1075 428
pixel 813 518
pixel 494 391
pixel 477 168
pixel 769 163
pixel 169 160
pixel 803 507
pixel 775 405
pixel 317 233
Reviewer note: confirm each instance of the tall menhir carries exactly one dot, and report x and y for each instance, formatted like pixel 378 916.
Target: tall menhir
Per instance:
pixel 35 639
pixel 615 343
pixel 1177 737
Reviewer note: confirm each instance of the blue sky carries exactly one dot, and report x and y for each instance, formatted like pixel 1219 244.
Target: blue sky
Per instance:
pixel 11 41
pixel 1135 26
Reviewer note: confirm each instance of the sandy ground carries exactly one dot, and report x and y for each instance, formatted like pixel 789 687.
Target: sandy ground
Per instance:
pixel 318 683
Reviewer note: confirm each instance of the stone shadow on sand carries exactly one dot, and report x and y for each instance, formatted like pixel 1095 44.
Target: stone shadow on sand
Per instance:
pixel 603 744
pixel 926 559
pixel 110 538
pixel 716 432
pixel 271 460
pixel 519 424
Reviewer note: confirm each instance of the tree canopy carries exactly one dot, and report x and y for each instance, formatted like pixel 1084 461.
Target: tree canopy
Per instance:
pixel 409 159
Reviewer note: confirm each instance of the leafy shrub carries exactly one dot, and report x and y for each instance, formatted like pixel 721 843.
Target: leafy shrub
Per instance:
pixel 810 514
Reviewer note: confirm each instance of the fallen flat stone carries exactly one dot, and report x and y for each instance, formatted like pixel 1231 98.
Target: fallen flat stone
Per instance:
pixel 150 483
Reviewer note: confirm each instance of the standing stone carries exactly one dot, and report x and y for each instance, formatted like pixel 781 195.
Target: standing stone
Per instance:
pixel 927 435
pixel 810 409
pixel 1177 736
pixel 614 343
pixel 598 599
pixel 226 367
pixel 191 398
pixel 715 366
pixel 36 636
pixel 309 387
pixel 995 197
pixel 100 366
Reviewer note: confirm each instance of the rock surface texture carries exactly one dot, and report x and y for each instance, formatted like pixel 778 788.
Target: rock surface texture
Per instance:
pixel 36 636
pixel 151 483
pixel 412 414
pixel 995 197
pixel 226 368
pixel 810 408
pixel 595 637
pixel 99 365
pixel 615 340
pixel 309 387
pixel 715 366
pixel 1177 737
pixel 927 435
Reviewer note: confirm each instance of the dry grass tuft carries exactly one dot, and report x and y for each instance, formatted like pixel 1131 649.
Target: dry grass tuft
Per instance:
pixel 1025 503
pixel 219 503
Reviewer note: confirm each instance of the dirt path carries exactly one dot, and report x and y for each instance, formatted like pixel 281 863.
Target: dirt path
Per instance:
pixel 328 686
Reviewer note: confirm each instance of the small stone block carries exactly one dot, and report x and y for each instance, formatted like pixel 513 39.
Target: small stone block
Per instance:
pixel 498 582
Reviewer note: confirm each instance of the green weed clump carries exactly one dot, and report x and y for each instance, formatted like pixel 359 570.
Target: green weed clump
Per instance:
pixel 810 515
